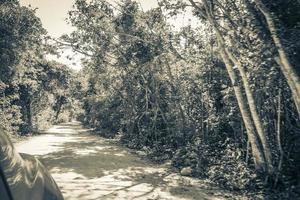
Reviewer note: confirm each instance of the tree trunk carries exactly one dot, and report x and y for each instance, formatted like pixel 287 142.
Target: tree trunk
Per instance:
pixel 279 136
pixel 249 95
pixel 285 65
pixel 259 154
pixel 25 102
pixel 59 106
pixel 175 92
pixel 253 110
pixel 259 159
pixel 29 114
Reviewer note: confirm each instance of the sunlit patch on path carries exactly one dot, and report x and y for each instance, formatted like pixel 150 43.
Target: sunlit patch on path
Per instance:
pixel 88 167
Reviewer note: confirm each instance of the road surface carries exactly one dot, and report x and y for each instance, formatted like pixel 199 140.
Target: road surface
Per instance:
pixel 88 167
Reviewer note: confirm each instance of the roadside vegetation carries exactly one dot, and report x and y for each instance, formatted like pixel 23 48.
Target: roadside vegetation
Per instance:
pixel 220 99
pixel 33 90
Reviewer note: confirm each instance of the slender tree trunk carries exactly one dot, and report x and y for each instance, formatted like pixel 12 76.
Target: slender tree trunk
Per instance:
pixel 57 112
pixel 260 154
pixel 288 70
pixel 174 89
pixel 29 114
pixel 254 113
pixel 247 152
pixel 202 116
pixel 249 95
pixel 26 101
pixel 279 136
pixel 259 159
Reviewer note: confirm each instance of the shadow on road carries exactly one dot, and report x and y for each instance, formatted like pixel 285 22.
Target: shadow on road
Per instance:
pixel 88 167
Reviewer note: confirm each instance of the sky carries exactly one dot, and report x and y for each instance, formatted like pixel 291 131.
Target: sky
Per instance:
pixel 53 14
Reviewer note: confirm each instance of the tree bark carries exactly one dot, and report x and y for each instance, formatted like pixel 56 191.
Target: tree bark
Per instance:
pixel 174 90
pixel 262 155
pixel 249 95
pixel 279 136
pixel 286 67
pixel 259 159
pixel 253 110
pixel 29 113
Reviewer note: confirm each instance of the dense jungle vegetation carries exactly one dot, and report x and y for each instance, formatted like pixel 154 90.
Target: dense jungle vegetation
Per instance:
pixel 220 99
pixel 32 89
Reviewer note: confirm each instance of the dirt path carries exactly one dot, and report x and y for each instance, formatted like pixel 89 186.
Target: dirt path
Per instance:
pixel 88 167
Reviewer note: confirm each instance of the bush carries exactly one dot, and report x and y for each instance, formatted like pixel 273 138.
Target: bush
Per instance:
pixel 219 162
pixel 230 171
pixel 194 155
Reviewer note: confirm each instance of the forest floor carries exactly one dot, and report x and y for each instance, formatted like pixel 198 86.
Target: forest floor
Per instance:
pixel 89 167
